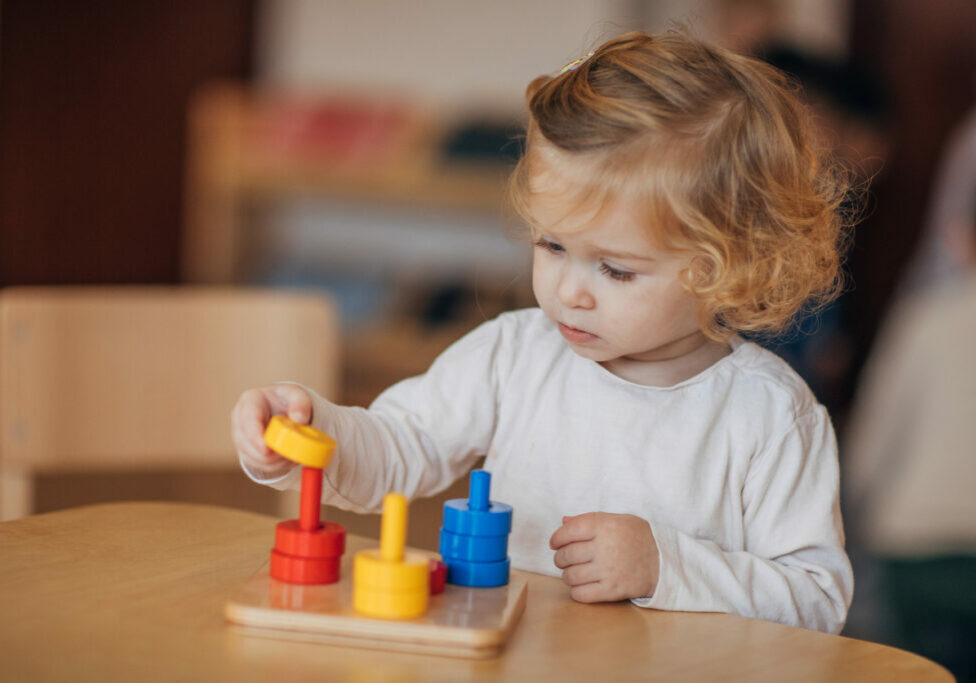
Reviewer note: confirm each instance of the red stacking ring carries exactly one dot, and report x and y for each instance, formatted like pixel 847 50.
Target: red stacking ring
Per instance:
pixel 329 540
pixel 308 570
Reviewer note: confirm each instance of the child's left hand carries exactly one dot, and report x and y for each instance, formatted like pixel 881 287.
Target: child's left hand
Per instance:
pixel 606 557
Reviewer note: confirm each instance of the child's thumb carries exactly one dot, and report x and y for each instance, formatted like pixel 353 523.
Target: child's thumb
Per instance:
pixel 300 408
pixel 299 414
pixel 298 404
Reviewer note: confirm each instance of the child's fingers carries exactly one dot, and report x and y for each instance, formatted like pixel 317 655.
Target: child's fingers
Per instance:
pixel 573 553
pixel 291 400
pixel 250 417
pixel 253 451
pixel 580 574
pixel 259 461
pixel 255 454
pixel 590 592
pixel 578 528
pixel 248 421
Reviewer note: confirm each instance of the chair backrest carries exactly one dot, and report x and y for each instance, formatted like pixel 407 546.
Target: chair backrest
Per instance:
pixel 145 377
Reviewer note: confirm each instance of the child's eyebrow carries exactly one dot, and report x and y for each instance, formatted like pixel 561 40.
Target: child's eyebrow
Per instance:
pixel 626 256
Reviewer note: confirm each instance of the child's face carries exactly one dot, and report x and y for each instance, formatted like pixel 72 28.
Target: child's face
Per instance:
pixel 614 294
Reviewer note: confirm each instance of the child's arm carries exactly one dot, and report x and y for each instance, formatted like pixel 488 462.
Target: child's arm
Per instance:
pixel 792 567
pixel 417 438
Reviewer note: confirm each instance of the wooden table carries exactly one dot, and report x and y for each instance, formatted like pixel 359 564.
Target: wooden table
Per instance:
pixel 135 591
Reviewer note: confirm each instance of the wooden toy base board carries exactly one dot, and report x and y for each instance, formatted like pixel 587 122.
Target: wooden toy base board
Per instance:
pixel 460 622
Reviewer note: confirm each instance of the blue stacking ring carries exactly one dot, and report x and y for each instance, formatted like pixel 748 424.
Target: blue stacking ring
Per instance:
pixel 473 548
pixel 476 515
pixel 477 574
pixel 495 521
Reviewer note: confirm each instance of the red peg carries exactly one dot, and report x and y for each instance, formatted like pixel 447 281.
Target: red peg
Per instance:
pixel 307 550
pixel 310 505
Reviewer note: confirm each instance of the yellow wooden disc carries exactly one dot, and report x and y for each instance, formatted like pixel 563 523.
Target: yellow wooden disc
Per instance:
pixel 300 443
pixel 371 572
pixel 390 605
pixel 389 582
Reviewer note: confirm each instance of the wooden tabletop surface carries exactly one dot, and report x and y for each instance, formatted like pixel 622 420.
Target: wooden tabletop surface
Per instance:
pixel 136 591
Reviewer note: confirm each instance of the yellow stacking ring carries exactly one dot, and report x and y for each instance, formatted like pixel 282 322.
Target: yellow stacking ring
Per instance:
pixel 389 582
pixel 300 443
pixel 390 605
pixel 372 573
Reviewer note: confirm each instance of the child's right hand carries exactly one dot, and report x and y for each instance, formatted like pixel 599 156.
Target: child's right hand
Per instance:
pixel 250 417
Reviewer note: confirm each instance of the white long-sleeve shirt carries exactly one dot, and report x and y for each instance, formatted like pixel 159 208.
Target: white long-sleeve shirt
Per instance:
pixel 735 469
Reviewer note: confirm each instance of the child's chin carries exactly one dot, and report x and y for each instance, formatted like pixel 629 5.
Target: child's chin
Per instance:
pixel 591 354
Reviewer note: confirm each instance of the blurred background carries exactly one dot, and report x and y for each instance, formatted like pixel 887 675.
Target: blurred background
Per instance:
pixel 359 151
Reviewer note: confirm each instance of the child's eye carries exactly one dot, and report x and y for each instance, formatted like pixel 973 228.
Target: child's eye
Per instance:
pixel 549 245
pixel 616 273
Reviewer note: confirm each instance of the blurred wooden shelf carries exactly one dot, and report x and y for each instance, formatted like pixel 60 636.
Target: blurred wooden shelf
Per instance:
pixel 247 147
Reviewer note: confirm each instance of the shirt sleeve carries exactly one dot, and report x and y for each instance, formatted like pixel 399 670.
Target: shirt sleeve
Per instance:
pixel 793 569
pixel 418 436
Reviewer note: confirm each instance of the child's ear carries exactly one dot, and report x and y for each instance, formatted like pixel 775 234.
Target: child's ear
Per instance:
pixel 699 272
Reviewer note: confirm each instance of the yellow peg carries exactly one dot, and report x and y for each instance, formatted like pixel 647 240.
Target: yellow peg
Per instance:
pixel 393 529
pixel 389 582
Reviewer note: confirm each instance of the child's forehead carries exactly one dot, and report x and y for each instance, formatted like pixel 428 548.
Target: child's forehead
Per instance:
pixel 560 189
pixel 593 179
pixel 552 171
pixel 566 195
pixel 559 209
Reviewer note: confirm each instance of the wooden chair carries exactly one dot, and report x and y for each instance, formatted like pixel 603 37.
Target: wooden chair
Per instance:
pixel 144 378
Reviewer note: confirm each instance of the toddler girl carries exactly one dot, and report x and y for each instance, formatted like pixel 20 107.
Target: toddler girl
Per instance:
pixel 674 198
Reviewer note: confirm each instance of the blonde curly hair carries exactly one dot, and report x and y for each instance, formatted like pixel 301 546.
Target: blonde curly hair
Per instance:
pixel 719 149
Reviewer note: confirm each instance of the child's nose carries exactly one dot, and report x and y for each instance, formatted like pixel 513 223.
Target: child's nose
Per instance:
pixel 573 292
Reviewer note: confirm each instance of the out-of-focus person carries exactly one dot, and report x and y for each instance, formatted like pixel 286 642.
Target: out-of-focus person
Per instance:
pixel 939 259
pixel 909 461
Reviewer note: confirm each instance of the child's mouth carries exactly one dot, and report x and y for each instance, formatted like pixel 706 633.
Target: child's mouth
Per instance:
pixel 576 336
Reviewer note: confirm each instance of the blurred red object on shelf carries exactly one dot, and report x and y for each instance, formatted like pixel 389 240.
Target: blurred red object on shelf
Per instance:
pixel 353 132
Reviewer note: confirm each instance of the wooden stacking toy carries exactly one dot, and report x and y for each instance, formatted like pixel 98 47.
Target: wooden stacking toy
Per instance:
pixel 392 599
pixel 306 550
pixel 389 582
pixel 474 538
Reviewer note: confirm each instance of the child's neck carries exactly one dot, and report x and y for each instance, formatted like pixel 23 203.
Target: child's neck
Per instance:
pixel 667 372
